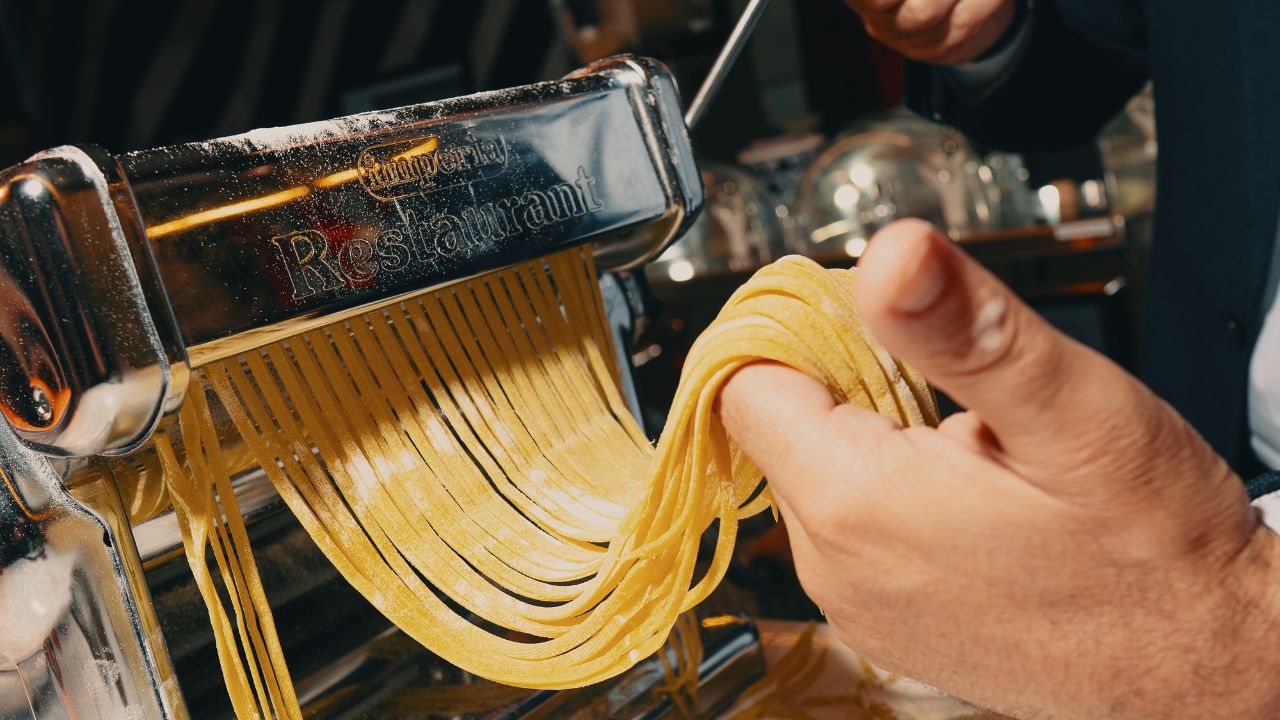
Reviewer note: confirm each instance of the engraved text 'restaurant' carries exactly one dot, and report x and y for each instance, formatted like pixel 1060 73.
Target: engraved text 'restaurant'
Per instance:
pixel 423 242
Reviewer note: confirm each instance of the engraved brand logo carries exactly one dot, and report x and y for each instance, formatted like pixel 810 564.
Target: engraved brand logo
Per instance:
pixel 314 267
pixel 406 167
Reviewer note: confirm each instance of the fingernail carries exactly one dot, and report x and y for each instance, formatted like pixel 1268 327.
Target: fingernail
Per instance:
pixel 926 278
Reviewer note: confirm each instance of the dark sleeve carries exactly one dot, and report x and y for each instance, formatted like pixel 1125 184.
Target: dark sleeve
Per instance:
pixel 1084 59
pixel 1263 485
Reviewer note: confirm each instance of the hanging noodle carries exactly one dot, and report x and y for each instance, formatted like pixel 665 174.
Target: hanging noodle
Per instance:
pixel 680 670
pixel 471 445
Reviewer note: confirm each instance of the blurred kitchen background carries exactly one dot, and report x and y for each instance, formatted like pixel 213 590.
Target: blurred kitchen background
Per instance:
pixel 806 150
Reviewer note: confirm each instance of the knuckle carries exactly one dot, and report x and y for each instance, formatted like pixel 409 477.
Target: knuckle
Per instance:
pixel 874 441
pixel 1006 337
pixel 846 420
pixel 984 340
pixel 968 18
pixel 876 30
pixel 996 331
pixel 951 49
pixel 825 522
pixel 918 16
pixel 877 6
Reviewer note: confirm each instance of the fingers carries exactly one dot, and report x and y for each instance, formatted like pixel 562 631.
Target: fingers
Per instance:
pixel 969 34
pixel 941 312
pixel 916 17
pixel 792 429
pixel 867 7
pixel 944 32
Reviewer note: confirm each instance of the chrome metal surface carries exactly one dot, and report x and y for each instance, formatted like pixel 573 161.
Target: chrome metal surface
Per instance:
pixel 724 61
pixel 899 165
pixel 1128 149
pixel 117 275
pixel 76 638
pixel 739 231
pixel 84 367
pixel 733 659
pixel 260 234
pixel 349 661
pixel 894 166
pixel 114 275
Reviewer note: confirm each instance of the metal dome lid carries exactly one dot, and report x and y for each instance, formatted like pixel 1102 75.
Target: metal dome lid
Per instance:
pixel 890 166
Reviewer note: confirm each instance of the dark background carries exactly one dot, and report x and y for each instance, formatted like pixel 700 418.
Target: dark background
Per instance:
pixel 129 74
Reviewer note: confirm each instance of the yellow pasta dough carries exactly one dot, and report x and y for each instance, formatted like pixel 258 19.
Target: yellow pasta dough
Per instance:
pixel 471 445
pixel 680 671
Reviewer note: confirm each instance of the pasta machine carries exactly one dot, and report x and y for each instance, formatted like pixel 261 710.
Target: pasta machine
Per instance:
pixel 121 274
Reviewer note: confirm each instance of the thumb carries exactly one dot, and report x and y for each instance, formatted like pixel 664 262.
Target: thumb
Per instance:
pixel 1040 393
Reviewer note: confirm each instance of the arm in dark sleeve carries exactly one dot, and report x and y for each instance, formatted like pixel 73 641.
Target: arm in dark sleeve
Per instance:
pixel 1082 61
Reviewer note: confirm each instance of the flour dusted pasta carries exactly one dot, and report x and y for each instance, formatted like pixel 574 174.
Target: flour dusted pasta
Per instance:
pixel 471 445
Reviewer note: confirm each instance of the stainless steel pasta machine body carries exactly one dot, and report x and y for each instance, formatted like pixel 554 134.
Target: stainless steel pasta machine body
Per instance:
pixel 119 274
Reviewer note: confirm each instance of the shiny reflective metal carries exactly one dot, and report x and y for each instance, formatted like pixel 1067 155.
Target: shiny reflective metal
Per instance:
pixel 79 637
pixel 118 274
pixel 740 230
pixel 261 235
pixel 724 61
pixel 893 166
pixel 733 658
pixel 1128 148
pixel 899 165
pixel 86 345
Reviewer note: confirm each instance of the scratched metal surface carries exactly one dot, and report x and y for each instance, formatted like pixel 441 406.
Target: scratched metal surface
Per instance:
pixel 278 224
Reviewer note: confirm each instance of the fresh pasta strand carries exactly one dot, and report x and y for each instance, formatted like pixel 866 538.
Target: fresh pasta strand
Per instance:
pixel 472 443
pixel 680 671
pixel 253 666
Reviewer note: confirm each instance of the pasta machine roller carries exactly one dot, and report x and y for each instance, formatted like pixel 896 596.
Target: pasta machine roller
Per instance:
pixel 121 273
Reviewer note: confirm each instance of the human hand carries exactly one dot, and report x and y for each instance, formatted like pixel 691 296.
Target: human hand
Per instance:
pixel 943 32
pixel 1068 548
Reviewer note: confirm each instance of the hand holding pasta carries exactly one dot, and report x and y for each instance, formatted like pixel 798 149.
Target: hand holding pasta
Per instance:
pixel 471 443
pixel 1068 548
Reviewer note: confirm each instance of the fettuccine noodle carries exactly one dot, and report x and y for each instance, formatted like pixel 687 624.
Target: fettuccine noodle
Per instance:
pixel 471 446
